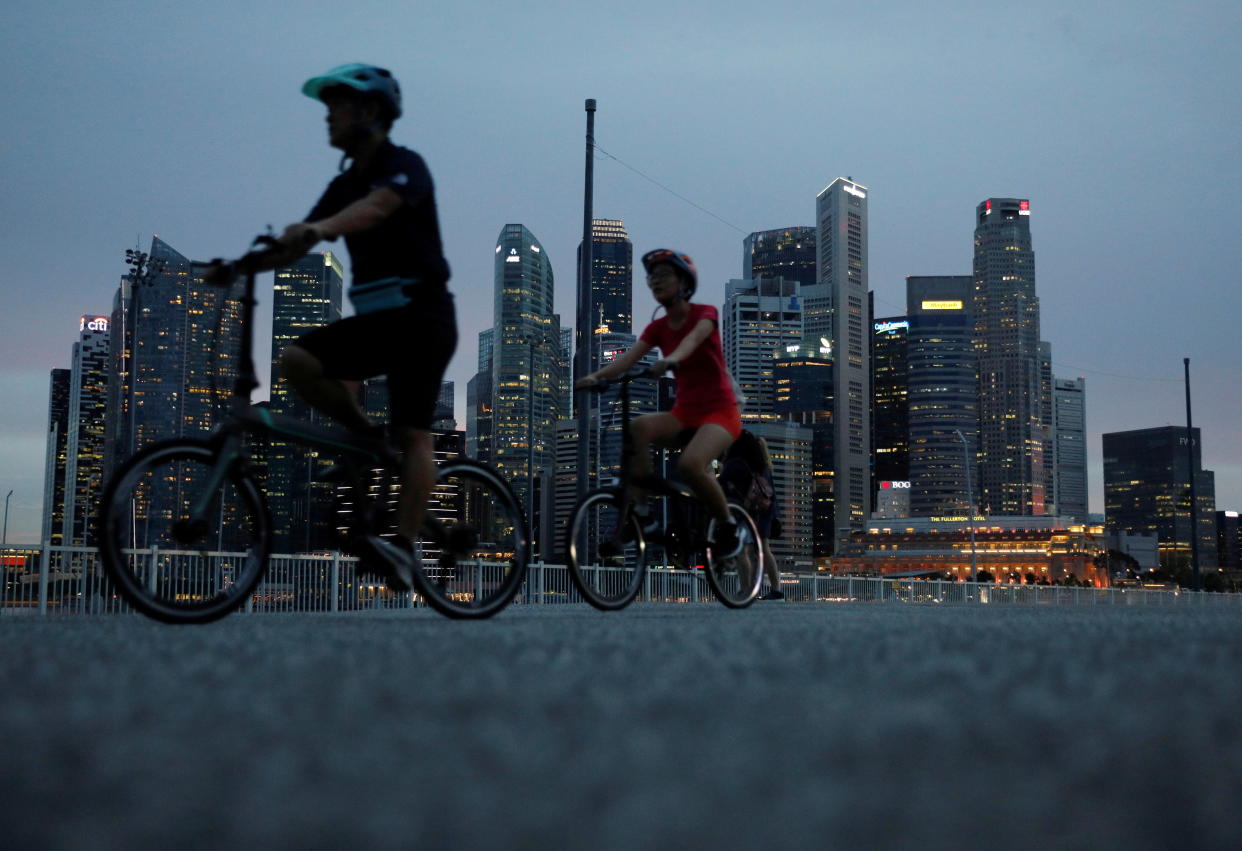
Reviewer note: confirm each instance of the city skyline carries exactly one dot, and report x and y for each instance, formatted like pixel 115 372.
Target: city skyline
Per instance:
pixel 1126 291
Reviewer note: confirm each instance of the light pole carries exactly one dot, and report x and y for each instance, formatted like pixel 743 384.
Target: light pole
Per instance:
pixel 5 541
pixel 970 504
pixel 582 319
pixel 4 573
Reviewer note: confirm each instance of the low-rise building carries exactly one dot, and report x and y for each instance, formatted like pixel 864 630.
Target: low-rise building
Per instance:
pixel 1010 549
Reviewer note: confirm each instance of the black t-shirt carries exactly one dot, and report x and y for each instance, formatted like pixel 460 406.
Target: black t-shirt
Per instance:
pixel 407 243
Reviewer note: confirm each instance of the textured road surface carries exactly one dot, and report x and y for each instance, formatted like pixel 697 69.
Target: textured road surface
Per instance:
pixel 665 726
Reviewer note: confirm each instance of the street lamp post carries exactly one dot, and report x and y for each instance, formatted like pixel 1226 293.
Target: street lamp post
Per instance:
pixel 5 541
pixel 4 572
pixel 970 504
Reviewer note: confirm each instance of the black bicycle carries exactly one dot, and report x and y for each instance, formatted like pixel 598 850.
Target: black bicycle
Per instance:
pixel 609 551
pixel 185 532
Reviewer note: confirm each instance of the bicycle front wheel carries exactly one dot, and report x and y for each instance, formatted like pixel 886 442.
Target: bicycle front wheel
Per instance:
pixel 183 539
pixel 607 553
pixel 735 581
pixel 474 550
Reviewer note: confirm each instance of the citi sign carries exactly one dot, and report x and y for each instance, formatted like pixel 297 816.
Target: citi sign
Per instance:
pixel 894 486
pixel 93 323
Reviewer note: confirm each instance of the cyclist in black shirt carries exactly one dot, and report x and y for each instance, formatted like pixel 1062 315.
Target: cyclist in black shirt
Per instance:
pixel 404 324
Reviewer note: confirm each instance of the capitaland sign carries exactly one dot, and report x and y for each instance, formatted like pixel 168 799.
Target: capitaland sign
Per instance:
pixel 885 327
pixel 93 323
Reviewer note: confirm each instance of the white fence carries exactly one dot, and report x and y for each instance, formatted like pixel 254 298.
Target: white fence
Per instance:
pixel 70 580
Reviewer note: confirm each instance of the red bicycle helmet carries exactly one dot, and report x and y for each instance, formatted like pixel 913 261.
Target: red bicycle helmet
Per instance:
pixel 682 262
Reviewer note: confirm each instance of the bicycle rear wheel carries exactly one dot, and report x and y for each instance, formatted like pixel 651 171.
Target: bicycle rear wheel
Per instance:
pixel 474 551
pixel 735 581
pixel 607 553
pixel 183 540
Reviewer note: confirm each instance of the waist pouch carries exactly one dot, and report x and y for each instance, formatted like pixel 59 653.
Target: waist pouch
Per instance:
pixel 384 294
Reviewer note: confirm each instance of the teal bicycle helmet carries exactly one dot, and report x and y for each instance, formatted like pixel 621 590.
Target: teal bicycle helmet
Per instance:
pixel 365 79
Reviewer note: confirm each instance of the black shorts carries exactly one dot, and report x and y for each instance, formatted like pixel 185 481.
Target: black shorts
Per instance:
pixel 411 345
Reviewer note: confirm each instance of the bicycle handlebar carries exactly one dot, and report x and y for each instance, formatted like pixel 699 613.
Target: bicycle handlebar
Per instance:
pixel 604 383
pixel 224 272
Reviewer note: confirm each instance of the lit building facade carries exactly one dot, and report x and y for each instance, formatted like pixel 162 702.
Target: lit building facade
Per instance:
pixel 175 358
pixel 790 446
pixel 943 397
pixel 1228 540
pixel 1006 314
pixel 86 435
pixel 760 319
pixel 835 309
pixel 612 276
pixel 890 402
pixel 527 373
pixel 56 458
pixel 1069 447
pixel 1013 550
pixel 803 376
pixel 479 403
pixel 787 253
pixel 306 295
pixel 1147 477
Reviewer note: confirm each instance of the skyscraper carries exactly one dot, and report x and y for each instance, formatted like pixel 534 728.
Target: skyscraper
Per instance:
pixel 890 401
pixel 445 414
pixel 1006 315
pixel 787 253
pixel 527 370
pixel 835 309
pixel 479 403
pixel 1147 475
pixel 943 395
pixel 760 318
pixel 790 447
pixel 85 444
pixel 804 394
pixel 56 458
pixel 1069 448
pixel 612 276
pixel 306 295
pixel 180 337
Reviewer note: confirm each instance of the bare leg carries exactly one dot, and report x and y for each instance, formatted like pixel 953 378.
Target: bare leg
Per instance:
pixel 645 430
pixel 328 395
pixel 709 443
pixel 770 567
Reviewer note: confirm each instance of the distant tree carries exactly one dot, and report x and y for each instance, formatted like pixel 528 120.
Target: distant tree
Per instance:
pixel 986 576
pixel 1116 562
pixel 1030 579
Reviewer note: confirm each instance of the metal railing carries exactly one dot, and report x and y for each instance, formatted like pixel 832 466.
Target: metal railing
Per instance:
pixel 70 580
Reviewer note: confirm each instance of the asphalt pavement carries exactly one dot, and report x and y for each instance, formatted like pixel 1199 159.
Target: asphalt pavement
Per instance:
pixel 841 725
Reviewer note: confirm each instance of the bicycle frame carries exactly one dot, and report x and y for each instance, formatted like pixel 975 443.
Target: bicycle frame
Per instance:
pixel 684 527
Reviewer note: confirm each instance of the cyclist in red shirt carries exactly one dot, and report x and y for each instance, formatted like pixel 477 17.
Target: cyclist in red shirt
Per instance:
pixel 688 337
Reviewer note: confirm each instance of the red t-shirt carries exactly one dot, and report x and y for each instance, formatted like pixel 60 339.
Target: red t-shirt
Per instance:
pixel 703 382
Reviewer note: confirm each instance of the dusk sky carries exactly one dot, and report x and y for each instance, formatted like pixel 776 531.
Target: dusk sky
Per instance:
pixel 1118 120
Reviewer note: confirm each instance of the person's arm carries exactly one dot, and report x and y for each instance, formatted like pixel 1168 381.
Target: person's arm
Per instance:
pixel 301 237
pixel 363 214
pixel 689 343
pixel 619 365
